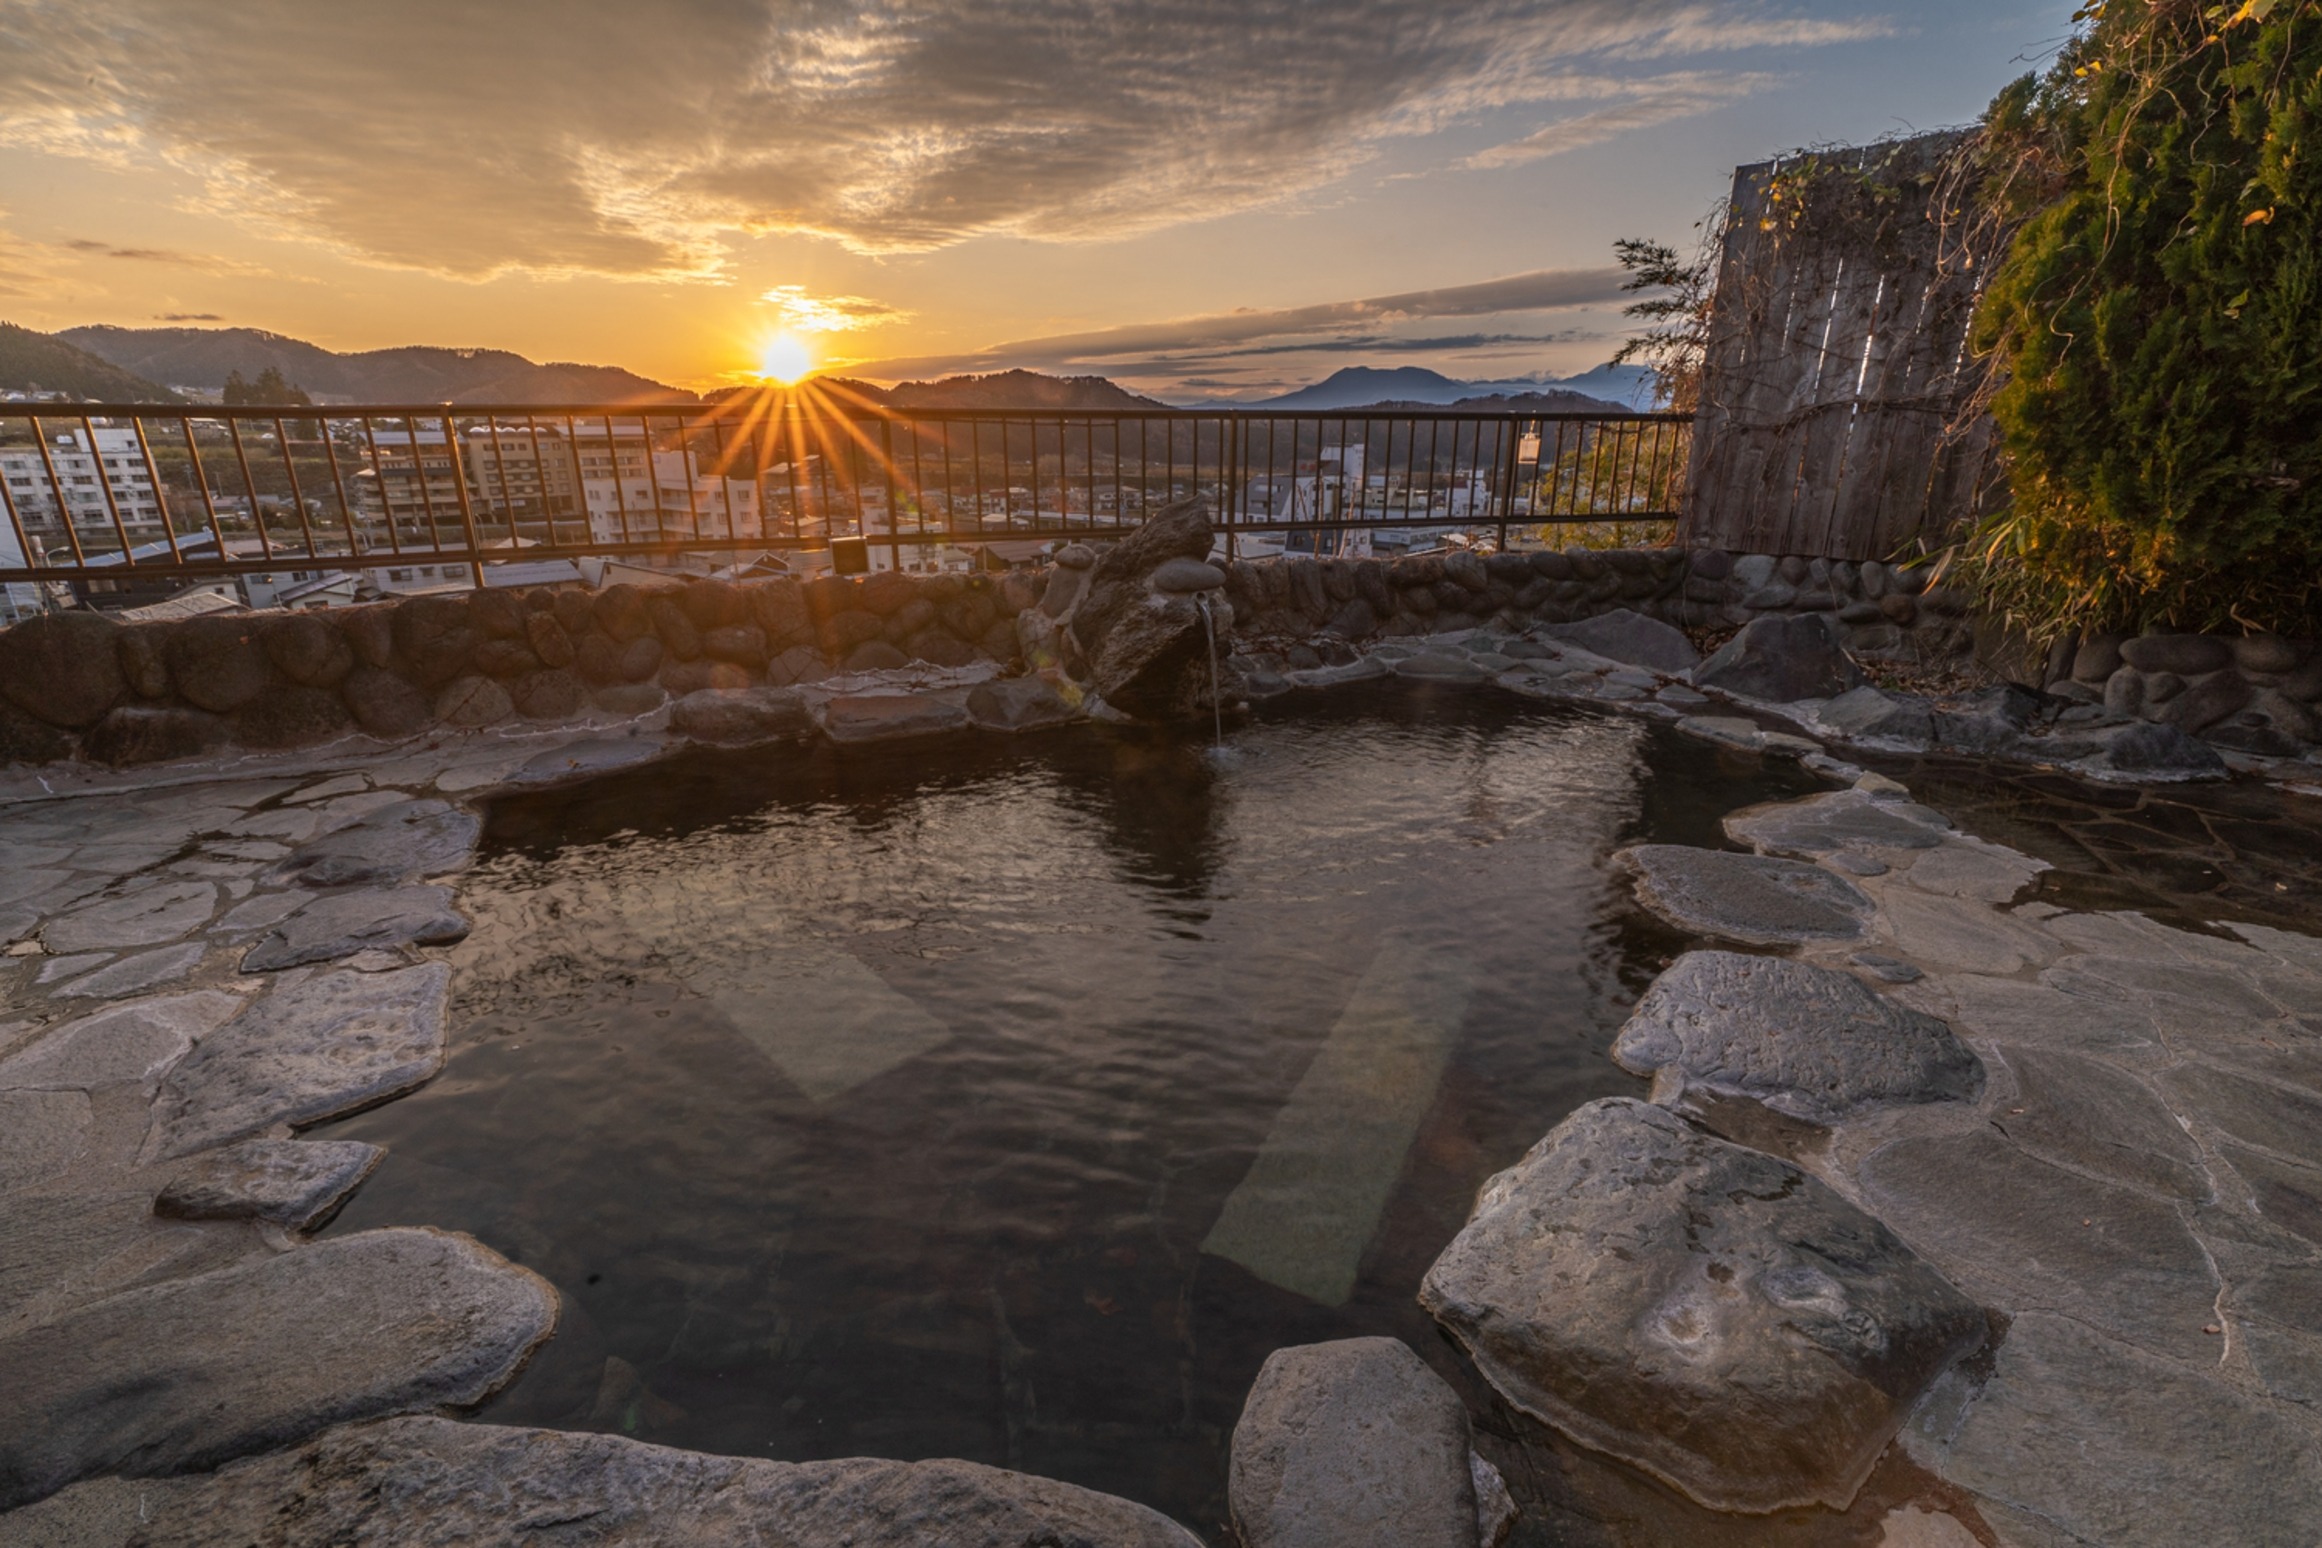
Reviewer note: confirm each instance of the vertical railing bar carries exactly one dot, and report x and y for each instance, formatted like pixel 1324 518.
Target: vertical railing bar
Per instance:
pixel 378 478
pixel 620 490
pixel 339 488
pixel 451 446
pixel 894 511
pixel 297 493
pixel 105 484
pixel 500 472
pixel 56 490
pixel 419 471
pixel 24 544
pixel 160 498
pixel 717 429
pixel 250 485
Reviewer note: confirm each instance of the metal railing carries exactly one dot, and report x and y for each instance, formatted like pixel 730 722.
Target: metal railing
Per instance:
pixel 125 498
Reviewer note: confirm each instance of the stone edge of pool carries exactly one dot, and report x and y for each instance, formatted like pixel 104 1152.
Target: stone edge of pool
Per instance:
pixel 2110 1184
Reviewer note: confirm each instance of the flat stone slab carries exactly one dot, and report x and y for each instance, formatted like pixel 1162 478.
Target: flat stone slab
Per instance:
pixel 2079 1439
pixel 890 717
pixel 146 917
pixel 1708 1313
pixel 1018 704
pixel 577 761
pixel 2093 1117
pixel 327 1044
pixel 343 923
pixel 1752 898
pixel 191 1373
pixel 728 717
pixel 395 843
pixel 1840 819
pixel 1351 1443
pixel 294 1183
pixel 132 1042
pixel 42 1133
pixel 1440 667
pixel 2035 1237
pixel 435 1483
pixel 135 975
pixel 1803 1040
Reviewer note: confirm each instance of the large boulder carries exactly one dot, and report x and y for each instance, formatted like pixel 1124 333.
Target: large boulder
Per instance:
pixel 1622 635
pixel 1708 1313
pixel 1804 1040
pixel 1154 659
pixel 1781 660
pixel 187 1374
pixel 437 1483
pixel 62 668
pixel 218 664
pixel 1349 1444
pixel 310 1050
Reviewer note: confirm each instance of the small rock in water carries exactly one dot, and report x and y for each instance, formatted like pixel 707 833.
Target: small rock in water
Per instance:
pixel 1801 1039
pixel 1752 898
pixel 1708 1313
pixel 1350 1444
pixel 295 1183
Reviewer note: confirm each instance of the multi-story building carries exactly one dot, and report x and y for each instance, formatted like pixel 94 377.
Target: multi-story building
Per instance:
pixel 637 492
pixel 68 478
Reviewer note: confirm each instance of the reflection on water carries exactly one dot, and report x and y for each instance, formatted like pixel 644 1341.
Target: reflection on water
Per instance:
pixel 1013 1102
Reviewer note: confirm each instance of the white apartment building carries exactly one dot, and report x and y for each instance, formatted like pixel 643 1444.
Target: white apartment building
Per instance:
pixel 82 476
pixel 636 492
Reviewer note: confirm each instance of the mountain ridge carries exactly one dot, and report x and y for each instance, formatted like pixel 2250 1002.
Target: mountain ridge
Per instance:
pixel 202 358
pixel 1409 387
pixel 35 361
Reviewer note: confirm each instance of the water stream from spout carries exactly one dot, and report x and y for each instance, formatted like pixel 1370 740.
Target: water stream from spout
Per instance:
pixel 1216 704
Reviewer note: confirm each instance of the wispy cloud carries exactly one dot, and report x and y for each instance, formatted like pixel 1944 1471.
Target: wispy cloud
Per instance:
pixel 208 263
pixel 188 317
pixel 600 136
pixel 1211 343
pixel 803 312
pixel 1664 100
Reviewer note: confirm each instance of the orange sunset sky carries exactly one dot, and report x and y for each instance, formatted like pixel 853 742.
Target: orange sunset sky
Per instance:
pixel 1195 197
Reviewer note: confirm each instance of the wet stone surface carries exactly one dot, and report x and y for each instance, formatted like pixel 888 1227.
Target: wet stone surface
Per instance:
pixel 1752 898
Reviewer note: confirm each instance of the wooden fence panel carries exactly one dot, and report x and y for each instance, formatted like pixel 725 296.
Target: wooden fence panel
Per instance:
pixel 1837 368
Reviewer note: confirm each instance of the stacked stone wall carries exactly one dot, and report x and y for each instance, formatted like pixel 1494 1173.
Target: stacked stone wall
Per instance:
pixel 1882 612
pixel 80 684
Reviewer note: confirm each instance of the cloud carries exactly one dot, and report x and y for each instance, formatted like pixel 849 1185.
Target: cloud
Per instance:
pixel 602 136
pixel 208 263
pixel 188 317
pixel 1664 100
pixel 1282 330
pixel 804 313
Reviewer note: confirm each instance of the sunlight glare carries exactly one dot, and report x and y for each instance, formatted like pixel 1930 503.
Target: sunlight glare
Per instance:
pixel 786 360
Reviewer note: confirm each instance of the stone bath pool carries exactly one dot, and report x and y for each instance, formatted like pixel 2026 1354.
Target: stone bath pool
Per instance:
pixel 1014 1103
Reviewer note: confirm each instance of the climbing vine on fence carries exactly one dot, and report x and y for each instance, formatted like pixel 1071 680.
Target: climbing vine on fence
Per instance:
pixel 2158 323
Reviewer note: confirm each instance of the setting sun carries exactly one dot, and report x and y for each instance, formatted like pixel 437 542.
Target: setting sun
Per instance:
pixel 786 360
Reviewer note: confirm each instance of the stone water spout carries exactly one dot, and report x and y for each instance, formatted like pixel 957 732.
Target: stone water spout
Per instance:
pixel 1145 626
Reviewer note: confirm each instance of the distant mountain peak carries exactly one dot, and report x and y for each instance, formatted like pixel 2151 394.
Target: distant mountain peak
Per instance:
pixel 410 373
pixel 1406 387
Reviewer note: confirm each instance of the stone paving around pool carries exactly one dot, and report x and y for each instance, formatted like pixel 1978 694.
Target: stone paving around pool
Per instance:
pixel 2034 1196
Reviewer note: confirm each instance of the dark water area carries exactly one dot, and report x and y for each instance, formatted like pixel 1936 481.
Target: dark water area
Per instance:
pixel 2187 855
pixel 1013 1100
